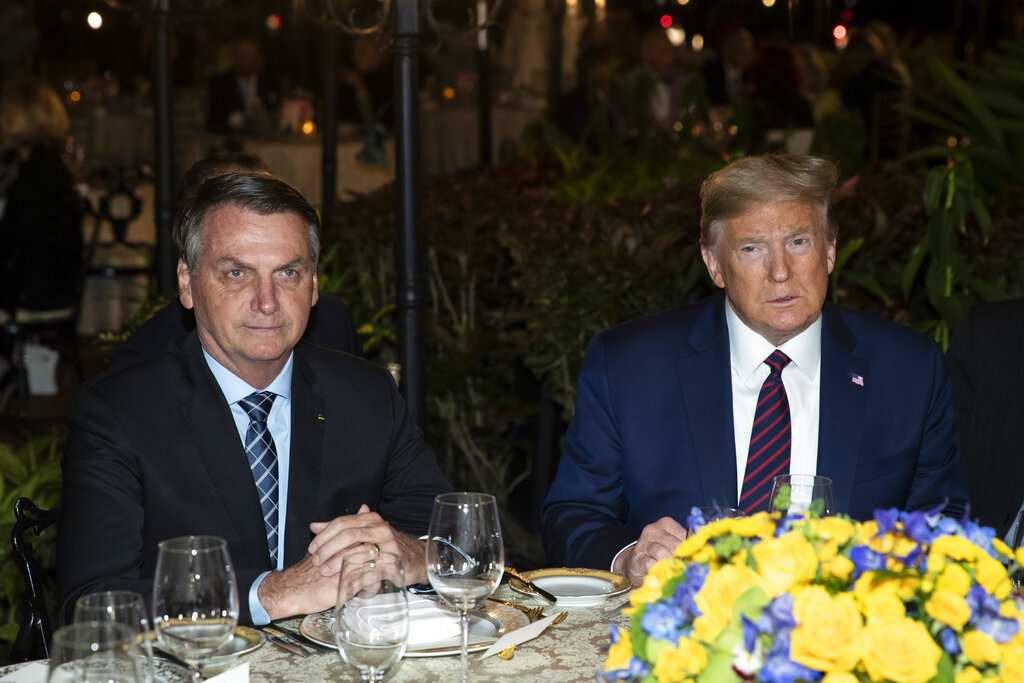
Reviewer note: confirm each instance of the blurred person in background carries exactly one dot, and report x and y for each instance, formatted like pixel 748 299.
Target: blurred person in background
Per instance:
pixel 243 97
pixel 40 212
pixel 668 99
pixel 777 101
pixel 815 81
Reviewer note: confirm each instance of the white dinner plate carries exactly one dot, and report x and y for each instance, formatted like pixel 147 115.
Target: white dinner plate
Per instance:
pixel 163 671
pixel 573 587
pixel 433 627
pixel 245 639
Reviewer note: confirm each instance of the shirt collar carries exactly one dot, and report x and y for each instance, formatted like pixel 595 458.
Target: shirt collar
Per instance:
pixel 235 389
pixel 748 349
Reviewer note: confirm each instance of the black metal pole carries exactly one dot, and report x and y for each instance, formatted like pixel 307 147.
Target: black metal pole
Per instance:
pixel 329 127
pixel 557 11
pixel 484 91
pixel 407 187
pixel 163 136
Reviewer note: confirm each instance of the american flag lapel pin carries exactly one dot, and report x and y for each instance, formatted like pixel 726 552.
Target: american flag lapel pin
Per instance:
pixel 321 418
pixel 857 379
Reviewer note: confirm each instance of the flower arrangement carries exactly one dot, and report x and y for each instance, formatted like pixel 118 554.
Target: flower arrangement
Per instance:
pixel 907 597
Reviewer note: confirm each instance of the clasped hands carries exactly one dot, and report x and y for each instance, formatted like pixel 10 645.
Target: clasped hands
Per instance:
pixel 657 541
pixel 311 585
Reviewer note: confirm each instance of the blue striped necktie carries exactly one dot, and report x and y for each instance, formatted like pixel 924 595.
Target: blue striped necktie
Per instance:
pixel 259 448
pixel 770 439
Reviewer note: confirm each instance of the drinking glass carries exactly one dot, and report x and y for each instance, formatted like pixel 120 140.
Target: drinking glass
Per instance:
pixel 125 608
pixel 1017 577
pixel 465 555
pixel 705 514
pixel 92 652
pixel 195 598
pixel 371 620
pixel 802 494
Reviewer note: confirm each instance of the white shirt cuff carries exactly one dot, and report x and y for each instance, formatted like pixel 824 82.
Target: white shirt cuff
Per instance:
pixel 614 559
pixel 259 615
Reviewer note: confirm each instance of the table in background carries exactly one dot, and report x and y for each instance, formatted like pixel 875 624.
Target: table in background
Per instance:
pixel 571 651
pixel 449 137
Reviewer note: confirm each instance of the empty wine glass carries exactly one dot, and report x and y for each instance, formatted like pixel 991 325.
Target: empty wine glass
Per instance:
pixel 125 608
pixel 371 620
pixel 802 494
pixel 465 555
pixel 92 652
pixel 1017 577
pixel 705 514
pixel 195 598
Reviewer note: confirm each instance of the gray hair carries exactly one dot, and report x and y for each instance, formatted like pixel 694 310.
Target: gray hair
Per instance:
pixel 763 180
pixel 257 192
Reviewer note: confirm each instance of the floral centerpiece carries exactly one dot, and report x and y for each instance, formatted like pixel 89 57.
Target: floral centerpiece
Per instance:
pixel 907 597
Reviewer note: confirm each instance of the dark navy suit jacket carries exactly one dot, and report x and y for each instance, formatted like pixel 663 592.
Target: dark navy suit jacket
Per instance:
pixel 653 430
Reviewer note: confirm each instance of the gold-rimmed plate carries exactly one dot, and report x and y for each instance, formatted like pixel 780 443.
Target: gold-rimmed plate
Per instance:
pixel 574 587
pixel 244 639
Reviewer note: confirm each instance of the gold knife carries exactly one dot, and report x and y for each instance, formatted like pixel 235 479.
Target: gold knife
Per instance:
pixel 532 586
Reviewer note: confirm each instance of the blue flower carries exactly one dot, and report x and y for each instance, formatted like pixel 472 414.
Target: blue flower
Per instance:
pixel 695 519
pixel 949 641
pixel 778 616
pixel 663 621
pixel 887 520
pixel 916 526
pixel 750 632
pixel 866 560
pixel 999 629
pixel 636 670
pixel 779 668
pixel 683 597
pixel 614 633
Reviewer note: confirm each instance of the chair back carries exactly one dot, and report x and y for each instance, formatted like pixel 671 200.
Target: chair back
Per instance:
pixel 33 640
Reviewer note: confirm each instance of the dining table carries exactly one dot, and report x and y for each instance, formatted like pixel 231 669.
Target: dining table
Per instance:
pixel 572 650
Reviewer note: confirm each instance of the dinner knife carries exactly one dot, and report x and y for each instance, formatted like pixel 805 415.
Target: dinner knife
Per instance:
pixel 299 639
pixel 285 645
pixel 531 585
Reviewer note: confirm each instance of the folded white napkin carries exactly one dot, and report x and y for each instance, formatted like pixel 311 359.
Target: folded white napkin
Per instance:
pixel 519 636
pixel 236 674
pixel 33 672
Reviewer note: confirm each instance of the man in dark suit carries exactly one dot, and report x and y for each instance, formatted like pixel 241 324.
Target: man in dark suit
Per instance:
pixel 172 446
pixel 243 97
pixel 988 392
pixel 670 406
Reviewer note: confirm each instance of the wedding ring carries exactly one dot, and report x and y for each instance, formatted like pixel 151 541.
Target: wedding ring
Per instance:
pixel 376 549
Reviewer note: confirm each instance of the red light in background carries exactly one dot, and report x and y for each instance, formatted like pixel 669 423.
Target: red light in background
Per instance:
pixel 846 16
pixel 273 21
pixel 839 32
pixel 665 21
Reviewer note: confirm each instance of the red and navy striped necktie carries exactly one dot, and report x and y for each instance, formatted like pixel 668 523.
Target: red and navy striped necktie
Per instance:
pixel 770 438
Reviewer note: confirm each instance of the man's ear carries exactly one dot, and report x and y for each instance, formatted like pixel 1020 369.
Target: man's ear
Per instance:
pixel 711 261
pixel 184 284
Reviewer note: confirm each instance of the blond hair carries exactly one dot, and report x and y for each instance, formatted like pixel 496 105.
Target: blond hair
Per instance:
pixel 32 114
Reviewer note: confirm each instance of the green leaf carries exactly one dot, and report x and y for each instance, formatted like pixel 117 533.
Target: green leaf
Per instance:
pixel 910 271
pixel 965 96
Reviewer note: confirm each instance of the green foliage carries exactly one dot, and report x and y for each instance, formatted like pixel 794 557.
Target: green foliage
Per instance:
pixel 32 470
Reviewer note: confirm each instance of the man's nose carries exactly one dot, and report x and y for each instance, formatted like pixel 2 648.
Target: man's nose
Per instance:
pixel 778 265
pixel 265 296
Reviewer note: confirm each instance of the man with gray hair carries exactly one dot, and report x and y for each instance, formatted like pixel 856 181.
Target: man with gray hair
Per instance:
pixel 705 404
pixel 293 453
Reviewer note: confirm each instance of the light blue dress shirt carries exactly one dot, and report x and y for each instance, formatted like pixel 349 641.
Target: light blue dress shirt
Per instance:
pixel 280 424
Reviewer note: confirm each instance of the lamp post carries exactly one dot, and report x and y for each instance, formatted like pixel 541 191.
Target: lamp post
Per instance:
pixel 404 18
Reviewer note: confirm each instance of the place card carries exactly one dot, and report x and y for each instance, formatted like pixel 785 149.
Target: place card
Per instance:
pixel 33 672
pixel 519 636
pixel 237 674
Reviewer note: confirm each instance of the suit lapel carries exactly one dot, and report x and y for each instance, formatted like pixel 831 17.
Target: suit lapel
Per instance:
pixel 705 381
pixel 844 379
pixel 215 438
pixel 309 420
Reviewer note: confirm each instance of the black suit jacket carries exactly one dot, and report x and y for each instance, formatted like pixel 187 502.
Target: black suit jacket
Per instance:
pixel 329 326
pixel 988 396
pixel 225 98
pixel 153 453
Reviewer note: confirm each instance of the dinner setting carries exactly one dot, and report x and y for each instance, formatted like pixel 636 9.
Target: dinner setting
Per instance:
pixel 619 341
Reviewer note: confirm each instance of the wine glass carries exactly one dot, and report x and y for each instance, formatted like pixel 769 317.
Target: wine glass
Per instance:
pixel 125 608
pixel 802 494
pixel 1017 577
pixel 195 598
pixel 371 620
pixel 465 555
pixel 92 652
pixel 701 515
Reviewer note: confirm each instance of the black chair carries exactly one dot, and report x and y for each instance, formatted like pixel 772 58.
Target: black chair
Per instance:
pixel 33 640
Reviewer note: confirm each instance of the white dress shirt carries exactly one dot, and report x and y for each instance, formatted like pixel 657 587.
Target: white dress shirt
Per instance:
pixel 802 379
pixel 279 421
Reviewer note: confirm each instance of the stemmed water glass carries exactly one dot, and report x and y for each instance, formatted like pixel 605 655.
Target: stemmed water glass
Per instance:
pixel 92 652
pixel 802 494
pixel 465 554
pixel 195 598
pixel 371 620
pixel 125 608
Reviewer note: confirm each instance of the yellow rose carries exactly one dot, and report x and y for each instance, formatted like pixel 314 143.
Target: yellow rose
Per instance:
pixel 901 651
pixel 840 677
pixel 1013 658
pixel 839 567
pixel 828 635
pixel 715 598
pixel 948 607
pixel 827 550
pixel 991 574
pixel 968 675
pixel 955 579
pixel 659 573
pixel 1018 555
pixel 619 654
pixel 785 561
pixel 893 544
pixel 980 649
pixel 882 604
pixel 759 525
pixel 952 547
pixel 676 664
pixel 1003 549
pixel 694 543
pixel 834 529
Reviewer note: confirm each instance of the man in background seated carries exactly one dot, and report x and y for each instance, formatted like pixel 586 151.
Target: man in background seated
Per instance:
pixel 242 98
pixel 175 444
pixel 704 404
pixel 988 392
pixel 330 324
